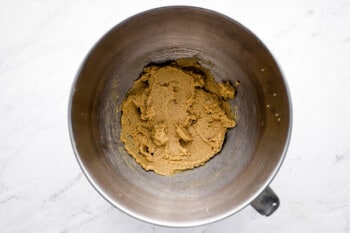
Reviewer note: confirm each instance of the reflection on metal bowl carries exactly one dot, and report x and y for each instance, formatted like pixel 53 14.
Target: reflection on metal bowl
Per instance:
pixel 239 175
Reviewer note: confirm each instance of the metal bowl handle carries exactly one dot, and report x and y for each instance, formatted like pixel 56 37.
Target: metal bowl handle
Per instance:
pixel 266 203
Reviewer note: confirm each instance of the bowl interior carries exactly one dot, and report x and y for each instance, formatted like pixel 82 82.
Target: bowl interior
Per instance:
pixel 252 152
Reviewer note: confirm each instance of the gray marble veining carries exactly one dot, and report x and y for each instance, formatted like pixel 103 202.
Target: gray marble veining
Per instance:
pixel 42 44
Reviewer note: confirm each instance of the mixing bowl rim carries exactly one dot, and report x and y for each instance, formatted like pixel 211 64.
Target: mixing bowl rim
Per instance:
pixel 141 217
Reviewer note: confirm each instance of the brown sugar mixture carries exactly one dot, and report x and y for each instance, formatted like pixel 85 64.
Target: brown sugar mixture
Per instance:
pixel 175 117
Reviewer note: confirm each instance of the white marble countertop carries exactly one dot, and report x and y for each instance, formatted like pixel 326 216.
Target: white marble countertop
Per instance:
pixel 42 44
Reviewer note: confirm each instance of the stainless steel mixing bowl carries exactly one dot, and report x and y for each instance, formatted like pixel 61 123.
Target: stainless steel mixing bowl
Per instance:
pixel 252 153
